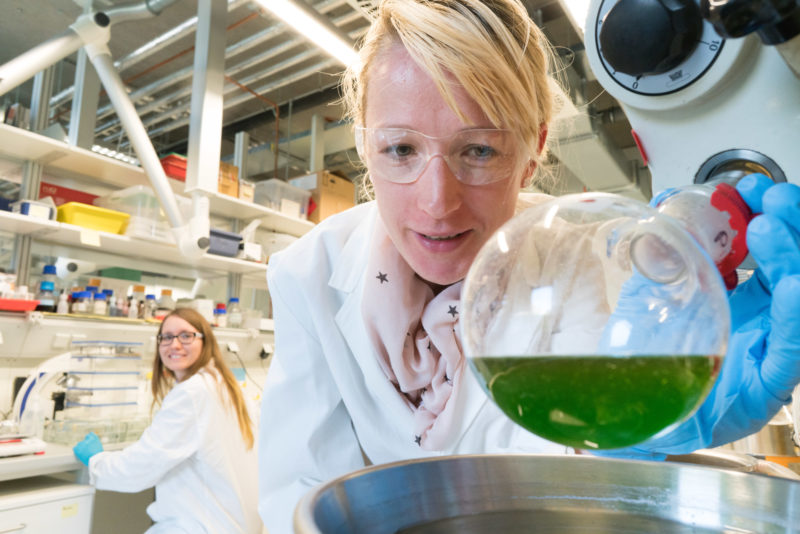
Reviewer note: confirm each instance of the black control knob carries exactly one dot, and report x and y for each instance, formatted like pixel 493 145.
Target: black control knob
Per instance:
pixel 775 21
pixel 641 37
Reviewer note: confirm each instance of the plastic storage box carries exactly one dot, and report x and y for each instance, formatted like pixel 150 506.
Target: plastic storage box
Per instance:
pixel 174 166
pixel 34 208
pixel 92 217
pixel 146 218
pixel 282 197
pixel 224 243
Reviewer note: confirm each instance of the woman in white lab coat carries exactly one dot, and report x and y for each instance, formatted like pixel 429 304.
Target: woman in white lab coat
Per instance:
pixel 199 450
pixel 451 100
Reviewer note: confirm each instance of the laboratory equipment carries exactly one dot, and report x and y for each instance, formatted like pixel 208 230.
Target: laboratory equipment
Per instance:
pixel 705 99
pixel 103 391
pixel 516 494
pixel 596 321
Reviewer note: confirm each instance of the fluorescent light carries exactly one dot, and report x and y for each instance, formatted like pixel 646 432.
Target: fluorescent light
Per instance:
pixel 114 154
pixel 312 28
pixel 577 10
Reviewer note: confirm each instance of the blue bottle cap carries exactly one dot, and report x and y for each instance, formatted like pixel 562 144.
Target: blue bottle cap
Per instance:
pixel 49 269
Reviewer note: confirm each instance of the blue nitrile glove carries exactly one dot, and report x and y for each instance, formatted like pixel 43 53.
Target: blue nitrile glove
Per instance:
pixel 87 448
pixel 762 365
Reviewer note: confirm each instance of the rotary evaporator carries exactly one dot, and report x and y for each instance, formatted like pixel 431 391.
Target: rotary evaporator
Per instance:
pixel 711 88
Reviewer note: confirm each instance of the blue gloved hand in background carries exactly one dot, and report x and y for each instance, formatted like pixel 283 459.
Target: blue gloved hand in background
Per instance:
pixel 88 447
pixel 762 365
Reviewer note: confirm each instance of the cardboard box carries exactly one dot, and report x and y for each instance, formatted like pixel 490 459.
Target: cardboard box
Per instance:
pixel 330 193
pixel 228 183
pixel 246 190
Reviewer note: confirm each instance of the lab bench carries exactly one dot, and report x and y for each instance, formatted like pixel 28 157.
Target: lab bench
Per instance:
pixel 49 492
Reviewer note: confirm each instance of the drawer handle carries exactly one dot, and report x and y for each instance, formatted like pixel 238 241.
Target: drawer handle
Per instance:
pixel 14 529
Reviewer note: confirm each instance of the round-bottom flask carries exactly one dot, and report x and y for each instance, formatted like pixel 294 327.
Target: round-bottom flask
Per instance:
pixel 595 321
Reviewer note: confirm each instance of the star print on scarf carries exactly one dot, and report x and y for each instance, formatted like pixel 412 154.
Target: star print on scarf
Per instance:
pixel 415 337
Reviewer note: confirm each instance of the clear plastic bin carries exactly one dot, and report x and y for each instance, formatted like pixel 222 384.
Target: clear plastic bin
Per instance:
pixel 147 220
pixel 280 196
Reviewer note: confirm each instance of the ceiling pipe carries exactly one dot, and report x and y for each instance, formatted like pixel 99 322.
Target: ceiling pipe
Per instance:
pixel 313 69
pixel 143 52
pixel 172 110
pixel 238 48
pixel 170 114
pixel 184 91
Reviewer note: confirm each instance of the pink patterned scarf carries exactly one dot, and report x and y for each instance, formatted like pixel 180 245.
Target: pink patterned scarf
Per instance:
pixel 416 337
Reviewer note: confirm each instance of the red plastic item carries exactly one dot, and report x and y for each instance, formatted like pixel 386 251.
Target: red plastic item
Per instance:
pixel 726 198
pixel 18 305
pixel 174 166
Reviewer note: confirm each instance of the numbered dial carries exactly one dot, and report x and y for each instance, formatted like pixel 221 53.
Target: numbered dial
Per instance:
pixel 654 47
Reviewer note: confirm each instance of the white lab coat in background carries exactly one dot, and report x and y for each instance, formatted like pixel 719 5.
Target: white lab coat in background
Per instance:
pixel 194 455
pixel 326 397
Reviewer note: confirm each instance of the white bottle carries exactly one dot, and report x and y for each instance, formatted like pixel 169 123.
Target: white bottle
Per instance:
pixel 63 305
pixel 235 318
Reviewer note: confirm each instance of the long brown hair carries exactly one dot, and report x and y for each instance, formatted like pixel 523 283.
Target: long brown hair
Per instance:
pixel 164 379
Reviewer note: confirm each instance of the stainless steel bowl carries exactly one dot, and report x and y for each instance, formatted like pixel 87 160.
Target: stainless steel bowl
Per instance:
pixel 550 494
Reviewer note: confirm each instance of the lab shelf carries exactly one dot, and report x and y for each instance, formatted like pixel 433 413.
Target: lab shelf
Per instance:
pixel 22 145
pixel 67 234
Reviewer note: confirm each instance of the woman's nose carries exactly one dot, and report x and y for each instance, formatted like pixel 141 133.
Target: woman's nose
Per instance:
pixel 439 191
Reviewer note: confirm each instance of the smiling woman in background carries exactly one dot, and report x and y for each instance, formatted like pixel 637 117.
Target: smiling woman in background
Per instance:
pixel 199 450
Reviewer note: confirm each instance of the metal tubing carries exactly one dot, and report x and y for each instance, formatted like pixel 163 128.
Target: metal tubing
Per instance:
pixel 138 136
pixel 249 81
pixel 313 69
pixel 148 49
pixel 24 66
pixel 232 50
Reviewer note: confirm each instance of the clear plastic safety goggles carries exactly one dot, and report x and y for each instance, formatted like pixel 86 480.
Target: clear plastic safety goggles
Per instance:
pixel 475 156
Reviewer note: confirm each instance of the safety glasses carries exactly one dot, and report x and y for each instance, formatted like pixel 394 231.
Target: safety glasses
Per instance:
pixel 475 156
pixel 185 338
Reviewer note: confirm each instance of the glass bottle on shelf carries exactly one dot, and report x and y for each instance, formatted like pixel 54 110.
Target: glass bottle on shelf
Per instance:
pixel 99 304
pixel 149 308
pixel 220 316
pixel 234 313
pixel 81 303
pixel 166 303
pixel 46 297
pixel 49 274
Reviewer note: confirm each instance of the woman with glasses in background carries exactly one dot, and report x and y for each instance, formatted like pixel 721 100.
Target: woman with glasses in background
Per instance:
pixel 199 450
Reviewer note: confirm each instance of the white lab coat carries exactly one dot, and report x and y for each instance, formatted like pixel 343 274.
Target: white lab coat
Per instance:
pixel 194 455
pixel 327 399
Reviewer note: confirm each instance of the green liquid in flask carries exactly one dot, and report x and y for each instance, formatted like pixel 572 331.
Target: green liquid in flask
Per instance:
pixel 597 402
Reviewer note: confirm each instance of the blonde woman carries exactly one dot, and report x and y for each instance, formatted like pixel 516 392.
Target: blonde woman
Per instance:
pixel 199 450
pixel 451 102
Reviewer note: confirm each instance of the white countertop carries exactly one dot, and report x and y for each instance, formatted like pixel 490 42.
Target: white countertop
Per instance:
pixel 56 459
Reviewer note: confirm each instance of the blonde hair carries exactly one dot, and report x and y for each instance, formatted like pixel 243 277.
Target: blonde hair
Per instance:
pixel 491 47
pixel 164 379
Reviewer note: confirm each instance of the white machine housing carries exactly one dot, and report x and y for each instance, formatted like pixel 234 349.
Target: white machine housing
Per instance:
pixel 748 100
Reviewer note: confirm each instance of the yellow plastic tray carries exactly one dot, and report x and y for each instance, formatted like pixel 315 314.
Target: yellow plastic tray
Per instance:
pixel 92 217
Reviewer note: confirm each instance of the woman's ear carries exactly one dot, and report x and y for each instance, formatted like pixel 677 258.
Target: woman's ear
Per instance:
pixel 542 137
pixel 527 175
